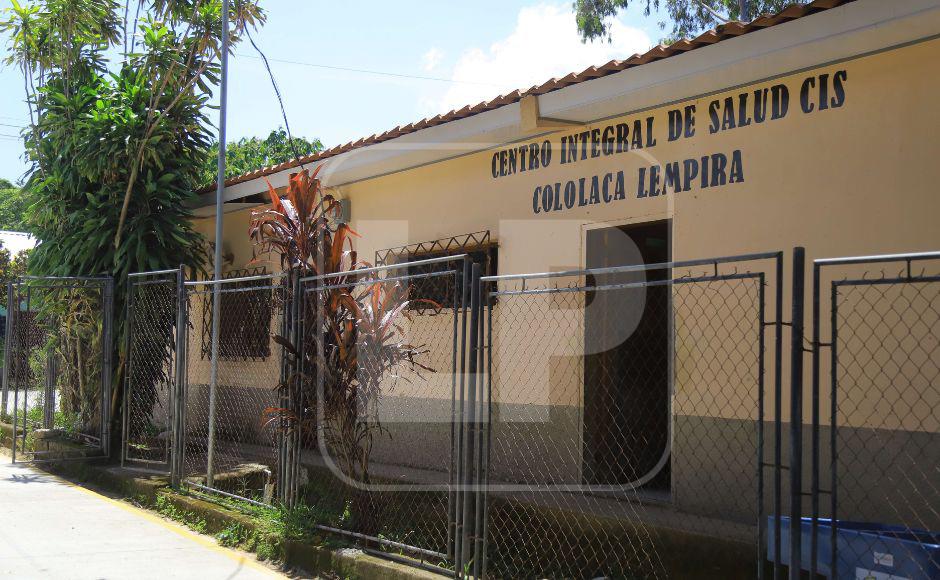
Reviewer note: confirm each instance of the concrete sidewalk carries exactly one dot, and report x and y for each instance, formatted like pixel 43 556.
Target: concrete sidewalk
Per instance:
pixel 50 528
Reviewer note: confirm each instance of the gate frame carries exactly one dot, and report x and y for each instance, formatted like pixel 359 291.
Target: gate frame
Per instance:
pixel 105 285
pixel 178 474
pixel 460 489
pixel 174 386
pixel 819 266
pixel 761 464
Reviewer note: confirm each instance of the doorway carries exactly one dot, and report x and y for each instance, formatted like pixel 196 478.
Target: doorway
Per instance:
pixel 626 363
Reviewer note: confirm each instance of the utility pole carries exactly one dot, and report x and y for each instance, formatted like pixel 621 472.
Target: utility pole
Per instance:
pixel 217 271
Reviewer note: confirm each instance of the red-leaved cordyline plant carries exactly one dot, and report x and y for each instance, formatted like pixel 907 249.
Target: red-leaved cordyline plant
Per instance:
pixel 352 340
pixel 303 228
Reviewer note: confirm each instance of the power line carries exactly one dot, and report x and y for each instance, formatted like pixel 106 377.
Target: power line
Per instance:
pixel 9 125
pixel 371 72
pixel 277 91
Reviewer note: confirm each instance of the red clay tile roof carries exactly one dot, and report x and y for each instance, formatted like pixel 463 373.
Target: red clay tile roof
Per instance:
pixel 659 52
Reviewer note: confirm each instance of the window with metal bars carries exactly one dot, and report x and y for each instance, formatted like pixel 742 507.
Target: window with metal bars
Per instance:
pixel 440 290
pixel 245 317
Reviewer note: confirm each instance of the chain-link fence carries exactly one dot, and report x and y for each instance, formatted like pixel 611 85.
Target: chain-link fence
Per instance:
pixel 229 443
pixel 627 422
pixel 608 422
pixel 382 353
pixel 58 365
pixel 876 461
pixel 150 387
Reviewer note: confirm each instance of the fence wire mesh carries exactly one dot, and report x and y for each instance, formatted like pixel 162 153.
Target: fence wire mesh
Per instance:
pixel 377 404
pixel 150 390
pixel 607 423
pixel 229 444
pixel 885 445
pixel 58 354
pixel 626 417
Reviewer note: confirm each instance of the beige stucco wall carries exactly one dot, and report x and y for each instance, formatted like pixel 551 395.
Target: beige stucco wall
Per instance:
pixel 853 180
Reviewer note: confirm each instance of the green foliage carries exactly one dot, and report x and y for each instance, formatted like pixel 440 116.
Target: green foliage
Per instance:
pixel 250 154
pixel 76 203
pixel 165 507
pixel 12 267
pixel 688 17
pixel 116 148
pixel 13 206
pixel 353 344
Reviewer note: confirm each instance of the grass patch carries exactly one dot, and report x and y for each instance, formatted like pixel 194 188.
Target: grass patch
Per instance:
pixel 168 509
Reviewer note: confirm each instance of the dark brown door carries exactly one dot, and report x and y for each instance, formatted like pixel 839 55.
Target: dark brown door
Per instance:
pixel 626 369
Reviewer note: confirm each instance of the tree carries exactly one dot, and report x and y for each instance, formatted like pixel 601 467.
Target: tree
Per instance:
pixel 13 208
pixel 250 154
pixel 115 149
pixel 688 17
pixel 12 266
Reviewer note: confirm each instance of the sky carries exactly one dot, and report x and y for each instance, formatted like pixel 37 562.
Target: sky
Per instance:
pixel 433 56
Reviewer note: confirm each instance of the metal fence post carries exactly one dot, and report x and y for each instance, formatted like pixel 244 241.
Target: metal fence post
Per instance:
pixel 778 416
pixel 16 385
pixel 6 350
pixel 297 300
pixel 478 439
pixel 796 411
pixel 287 448
pixel 470 425
pixel 814 491
pixel 129 360
pixel 283 399
pixel 178 396
pixel 485 489
pixel 833 429
pixel 108 348
pixel 460 422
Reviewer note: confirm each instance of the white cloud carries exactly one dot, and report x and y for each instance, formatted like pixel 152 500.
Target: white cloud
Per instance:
pixel 544 44
pixel 431 59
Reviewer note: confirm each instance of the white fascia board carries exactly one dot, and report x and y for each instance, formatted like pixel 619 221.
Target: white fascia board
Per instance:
pixel 854 29
pixel 460 137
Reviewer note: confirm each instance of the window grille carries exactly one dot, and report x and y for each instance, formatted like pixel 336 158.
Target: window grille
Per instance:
pixel 478 245
pixel 245 318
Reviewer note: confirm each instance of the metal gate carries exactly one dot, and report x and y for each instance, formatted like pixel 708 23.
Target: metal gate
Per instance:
pixel 57 367
pixel 226 445
pixel 150 393
pixel 632 413
pixel 875 417
pixel 380 411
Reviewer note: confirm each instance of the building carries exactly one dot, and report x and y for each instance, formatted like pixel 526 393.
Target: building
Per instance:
pixel 816 127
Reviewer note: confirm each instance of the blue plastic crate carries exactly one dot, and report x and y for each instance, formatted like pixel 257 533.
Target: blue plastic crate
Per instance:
pixel 865 551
